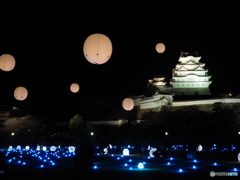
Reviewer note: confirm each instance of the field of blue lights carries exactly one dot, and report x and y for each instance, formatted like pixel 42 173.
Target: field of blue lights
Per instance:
pixel 53 162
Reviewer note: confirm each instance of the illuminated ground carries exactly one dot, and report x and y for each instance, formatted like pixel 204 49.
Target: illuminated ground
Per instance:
pixel 60 165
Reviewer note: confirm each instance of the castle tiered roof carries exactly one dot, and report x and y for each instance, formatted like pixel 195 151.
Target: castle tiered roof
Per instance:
pixel 190 73
pixel 158 81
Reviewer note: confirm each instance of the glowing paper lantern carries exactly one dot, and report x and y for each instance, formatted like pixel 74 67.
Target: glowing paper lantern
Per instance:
pixel 199 148
pixel 38 148
pixel 71 149
pixel 10 148
pixel 18 147
pixel 53 148
pixel 160 48
pixel 7 62
pixel 20 93
pixel 27 147
pixel 97 48
pixel 140 165
pixel 74 87
pixel 105 150
pixel 125 152
pixel 128 104
pixel 152 151
pixel 44 148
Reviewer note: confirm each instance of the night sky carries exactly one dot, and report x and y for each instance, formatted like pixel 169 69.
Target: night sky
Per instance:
pixel 47 43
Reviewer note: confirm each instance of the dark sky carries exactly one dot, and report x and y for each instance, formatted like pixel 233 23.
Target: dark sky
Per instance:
pixel 47 43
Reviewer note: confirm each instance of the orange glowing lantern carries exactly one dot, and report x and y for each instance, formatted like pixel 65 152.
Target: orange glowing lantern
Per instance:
pixel 128 104
pixel 7 62
pixel 97 48
pixel 20 93
pixel 160 48
pixel 74 87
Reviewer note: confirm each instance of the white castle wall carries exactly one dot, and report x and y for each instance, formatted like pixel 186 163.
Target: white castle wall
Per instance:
pixel 206 101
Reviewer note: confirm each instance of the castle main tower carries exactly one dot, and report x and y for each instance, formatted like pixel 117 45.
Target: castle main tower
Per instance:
pixel 189 76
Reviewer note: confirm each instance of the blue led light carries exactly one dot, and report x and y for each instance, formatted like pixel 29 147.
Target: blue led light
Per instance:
pixel 130 160
pixel 125 164
pixel 23 163
pixel 194 160
pixel 168 163
pixel 95 167
pixel 215 164
pixel 118 158
pixel 53 163
pixel 171 158
pixel 235 169
pixel 130 168
pixel 194 167
pixel 41 166
pixel 180 170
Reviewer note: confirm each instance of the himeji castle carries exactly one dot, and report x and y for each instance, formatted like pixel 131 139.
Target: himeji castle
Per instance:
pixel 189 78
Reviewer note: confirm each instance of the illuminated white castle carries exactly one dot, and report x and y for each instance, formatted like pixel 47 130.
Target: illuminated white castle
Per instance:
pixel 189 76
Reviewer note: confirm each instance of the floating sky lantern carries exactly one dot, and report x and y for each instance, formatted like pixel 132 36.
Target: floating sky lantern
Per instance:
pixel 74 87
pixel 7 62
pixel 20 93
pixel 128 104
pixel 97 48
pixel 160 48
